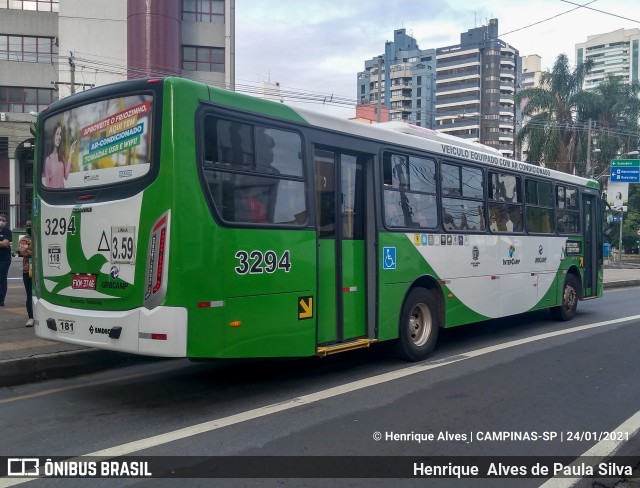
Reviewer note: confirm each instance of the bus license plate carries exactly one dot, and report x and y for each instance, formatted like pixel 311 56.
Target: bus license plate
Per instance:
pixel 83 282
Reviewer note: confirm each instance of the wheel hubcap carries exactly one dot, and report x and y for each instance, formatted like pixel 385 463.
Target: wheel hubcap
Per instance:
pixel 569 298
pixel 420 324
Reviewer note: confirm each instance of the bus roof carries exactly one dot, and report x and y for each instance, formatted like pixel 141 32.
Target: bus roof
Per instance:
pixel 398 133
pixel 444 144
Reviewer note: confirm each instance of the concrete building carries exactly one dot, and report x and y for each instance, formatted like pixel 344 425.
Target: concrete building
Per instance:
pixel 531 73
pixel 614 53
pixel 269 91
pixel 28 60
pixel 467 90
pixel 368 114
pixel 402 79
pixel 52 48
pixel 476 83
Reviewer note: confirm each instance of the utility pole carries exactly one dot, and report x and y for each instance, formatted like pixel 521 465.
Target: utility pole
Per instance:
pixel 72 64
pixel 621 222
pixel 588 167
pixel 72 84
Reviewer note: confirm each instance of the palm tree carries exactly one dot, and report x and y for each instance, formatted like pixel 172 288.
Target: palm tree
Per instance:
pixel 554 108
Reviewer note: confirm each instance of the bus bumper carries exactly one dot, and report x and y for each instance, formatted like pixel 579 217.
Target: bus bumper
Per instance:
pixel 161 331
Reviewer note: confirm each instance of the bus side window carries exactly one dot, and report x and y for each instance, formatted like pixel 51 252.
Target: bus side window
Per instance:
pixel 539 206
pixel 234 144
pixel 567 214
pixel 254 174
pixel 409 191
pixel 450 176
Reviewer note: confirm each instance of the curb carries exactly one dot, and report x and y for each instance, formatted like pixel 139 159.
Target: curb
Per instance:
pixel 621 284
pixel 61 365
pixel 627 451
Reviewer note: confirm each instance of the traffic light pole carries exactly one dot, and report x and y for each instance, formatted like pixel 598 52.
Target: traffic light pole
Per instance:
pixel 621 222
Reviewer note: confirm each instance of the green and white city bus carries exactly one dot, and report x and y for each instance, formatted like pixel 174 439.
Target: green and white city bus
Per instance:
pixel 177 219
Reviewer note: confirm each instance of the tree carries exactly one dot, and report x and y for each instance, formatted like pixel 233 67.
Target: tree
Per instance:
pixel 631 218
pixel 615 112
pixel 554 107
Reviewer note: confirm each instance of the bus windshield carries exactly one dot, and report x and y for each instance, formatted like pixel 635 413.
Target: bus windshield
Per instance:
pixel 97 144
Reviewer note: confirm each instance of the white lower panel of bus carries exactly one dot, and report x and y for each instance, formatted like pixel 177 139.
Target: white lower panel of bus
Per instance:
pixel 158 332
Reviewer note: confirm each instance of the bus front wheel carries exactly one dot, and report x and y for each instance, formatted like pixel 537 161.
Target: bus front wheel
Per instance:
pixel 567 310
pixel 418 330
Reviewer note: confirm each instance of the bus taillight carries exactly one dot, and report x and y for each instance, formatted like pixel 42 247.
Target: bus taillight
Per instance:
pixel 163 234
pixel 157 257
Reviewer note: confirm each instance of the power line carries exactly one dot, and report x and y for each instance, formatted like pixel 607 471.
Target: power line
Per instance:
pixel 602 11
pixel 547 19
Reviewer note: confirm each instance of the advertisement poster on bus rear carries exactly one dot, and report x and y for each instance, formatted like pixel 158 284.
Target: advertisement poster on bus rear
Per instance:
pixel 105 142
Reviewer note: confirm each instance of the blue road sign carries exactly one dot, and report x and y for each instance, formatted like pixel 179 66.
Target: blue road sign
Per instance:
pixel 625 170
pixel 626 175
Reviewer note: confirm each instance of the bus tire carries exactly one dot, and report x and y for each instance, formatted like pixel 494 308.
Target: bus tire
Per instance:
pixel 567 310
pixel 418 330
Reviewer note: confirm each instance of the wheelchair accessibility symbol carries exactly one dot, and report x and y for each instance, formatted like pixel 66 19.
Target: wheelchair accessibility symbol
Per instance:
pixel 388 258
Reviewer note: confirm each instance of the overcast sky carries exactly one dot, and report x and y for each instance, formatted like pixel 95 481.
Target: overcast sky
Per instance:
pixel 320 45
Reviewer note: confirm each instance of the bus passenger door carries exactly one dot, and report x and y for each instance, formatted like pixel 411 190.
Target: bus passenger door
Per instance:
pixel 340 200
pixel 590 251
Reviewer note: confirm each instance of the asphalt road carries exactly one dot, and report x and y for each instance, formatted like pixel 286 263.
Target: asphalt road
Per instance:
pixel 514 375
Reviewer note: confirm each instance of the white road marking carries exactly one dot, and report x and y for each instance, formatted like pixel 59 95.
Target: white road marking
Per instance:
pixel 596 454
pixel 631 425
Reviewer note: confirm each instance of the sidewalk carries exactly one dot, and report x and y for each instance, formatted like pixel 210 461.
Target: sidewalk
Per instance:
pixel 25 358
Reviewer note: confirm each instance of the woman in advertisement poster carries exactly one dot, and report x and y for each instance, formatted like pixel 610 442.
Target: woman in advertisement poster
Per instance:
pixel 618 201
pixel 56 166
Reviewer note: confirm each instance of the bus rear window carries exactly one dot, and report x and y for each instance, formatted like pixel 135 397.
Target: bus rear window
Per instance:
pixel 101 143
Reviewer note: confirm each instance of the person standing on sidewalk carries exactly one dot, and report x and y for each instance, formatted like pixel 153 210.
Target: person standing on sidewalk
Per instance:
pixel 25 252
pixel 5 255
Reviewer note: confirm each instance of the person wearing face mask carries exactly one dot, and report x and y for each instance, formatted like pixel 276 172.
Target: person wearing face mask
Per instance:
pixel 25 252
pixel 5 255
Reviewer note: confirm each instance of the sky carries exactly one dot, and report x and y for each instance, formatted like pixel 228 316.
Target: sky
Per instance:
pixel 319 46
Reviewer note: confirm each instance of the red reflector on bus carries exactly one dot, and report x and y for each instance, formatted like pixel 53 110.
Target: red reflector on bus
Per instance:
pixel 159 337
pixel 160 223
pixel 85 197
pixel 154 80
pixel 235 323
pixel 158 284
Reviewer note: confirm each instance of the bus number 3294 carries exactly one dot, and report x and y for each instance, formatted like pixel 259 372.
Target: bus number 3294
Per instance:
pixel 59 227
pixel 257 262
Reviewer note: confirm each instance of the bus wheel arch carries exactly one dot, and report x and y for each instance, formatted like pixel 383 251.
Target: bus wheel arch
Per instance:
pixel 420 320
pixel 571 293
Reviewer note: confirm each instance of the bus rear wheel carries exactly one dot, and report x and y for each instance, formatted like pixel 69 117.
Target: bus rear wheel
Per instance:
pixel 567 310
pixel 418 331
